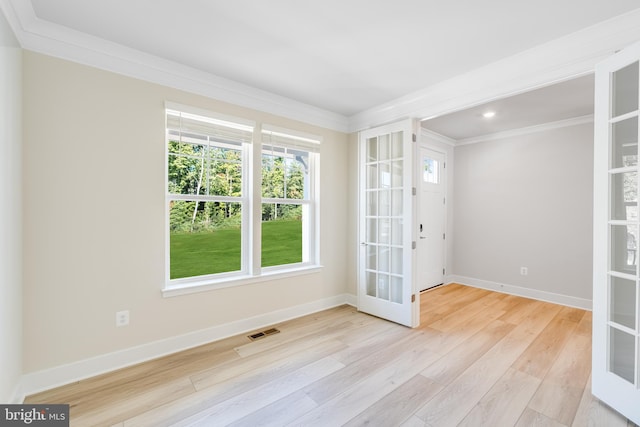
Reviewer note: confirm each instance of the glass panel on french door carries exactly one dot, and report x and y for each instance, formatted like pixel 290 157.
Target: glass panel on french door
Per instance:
pixel 622 304
pixel 624 196
pixel 624 143
pixel 624 248
pixel 625 90
pixel 623 299
pixel 622 354
pixel 384 212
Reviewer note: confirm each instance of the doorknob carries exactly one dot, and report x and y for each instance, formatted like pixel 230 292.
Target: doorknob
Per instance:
pixel 422 237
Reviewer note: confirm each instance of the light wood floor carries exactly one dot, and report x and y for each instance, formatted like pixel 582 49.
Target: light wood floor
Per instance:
pixel 479 358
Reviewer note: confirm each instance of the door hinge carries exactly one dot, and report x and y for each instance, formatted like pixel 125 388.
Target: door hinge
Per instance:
pixel 414 138
pixel 444 236
pixel 444 200
pixel 443 272
pixel 444 165
pixel 413 244
pixel 413 191
pixel 413 298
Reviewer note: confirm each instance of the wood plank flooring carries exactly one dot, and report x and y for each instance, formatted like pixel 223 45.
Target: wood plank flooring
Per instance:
pixel 479 358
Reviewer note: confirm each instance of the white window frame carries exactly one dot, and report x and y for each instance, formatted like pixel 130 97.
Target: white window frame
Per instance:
pixel 251 201
pixel 286 138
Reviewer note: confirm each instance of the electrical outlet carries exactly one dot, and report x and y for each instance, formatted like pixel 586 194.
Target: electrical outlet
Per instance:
pixel 524 271
pixel 122 318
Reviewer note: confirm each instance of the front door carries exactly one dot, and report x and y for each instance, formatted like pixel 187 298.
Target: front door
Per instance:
pixel 431 218
pixel 616 292
pixel 386 219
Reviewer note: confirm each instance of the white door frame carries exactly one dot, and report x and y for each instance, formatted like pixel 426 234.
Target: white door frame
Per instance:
pixel 425 144
pixel 445 145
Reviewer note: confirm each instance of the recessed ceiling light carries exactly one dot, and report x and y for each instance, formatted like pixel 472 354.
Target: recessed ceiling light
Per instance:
pixel 489 114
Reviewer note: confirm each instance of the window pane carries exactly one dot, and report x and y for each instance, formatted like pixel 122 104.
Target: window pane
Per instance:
pixel 372 149
pixel 297 175
pixel 621 354
pixel 396 145
pixel 372 203
pixel 384 147
pixel 371 257
pixel 384 204
pixel 396 203
pixel 396 232
pixel 224 172
pixel 371 283
pixel 624 246
pixel 214 169
pixel 431 169
pixel 396 260
pixel 396 174
pixel 285 173
pixel 385 175
pixel 625 90
pixel 384 230
pixel 384 253
pixel 281 234
pixel 372 231
pixel 396 289
pixel 624 145
pixel 273 175
pixel 624 196
pixel 372 177
pixel 383 286
pixel 185 173
pixel 205 238
pixel 623 302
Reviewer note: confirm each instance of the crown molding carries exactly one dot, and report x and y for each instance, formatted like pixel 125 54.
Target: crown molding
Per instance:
pixel 526 130
pixel 62 42
pixel 437 137
pixel 567 57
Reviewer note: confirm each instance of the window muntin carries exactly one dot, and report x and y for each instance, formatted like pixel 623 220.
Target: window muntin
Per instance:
pixel 210 196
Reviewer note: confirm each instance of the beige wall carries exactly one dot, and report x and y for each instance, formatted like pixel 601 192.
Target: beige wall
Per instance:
pixel 352 239
pixel 527 201
pixel 94 218
pixel 10 214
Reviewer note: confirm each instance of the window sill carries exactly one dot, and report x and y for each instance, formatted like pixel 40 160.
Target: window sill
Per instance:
pixel 213 284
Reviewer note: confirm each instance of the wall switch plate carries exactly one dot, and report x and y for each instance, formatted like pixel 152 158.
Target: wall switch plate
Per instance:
pixel 524 271
pixel 122 318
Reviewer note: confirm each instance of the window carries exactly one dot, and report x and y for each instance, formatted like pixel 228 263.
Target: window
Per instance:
pixel 215 234
pixel 431 169
pixel 287 198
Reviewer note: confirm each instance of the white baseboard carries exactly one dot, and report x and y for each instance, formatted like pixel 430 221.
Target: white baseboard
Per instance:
pixel 54 377
pixel 352 300
pixel 18 395
pixel 567 300
pixel 60 375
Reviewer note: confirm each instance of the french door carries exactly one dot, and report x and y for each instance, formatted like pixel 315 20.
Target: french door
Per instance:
pixel 386 215
pixel 616 292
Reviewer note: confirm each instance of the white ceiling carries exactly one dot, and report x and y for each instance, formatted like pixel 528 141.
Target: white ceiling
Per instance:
pixel 341 56
pixel 561 101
